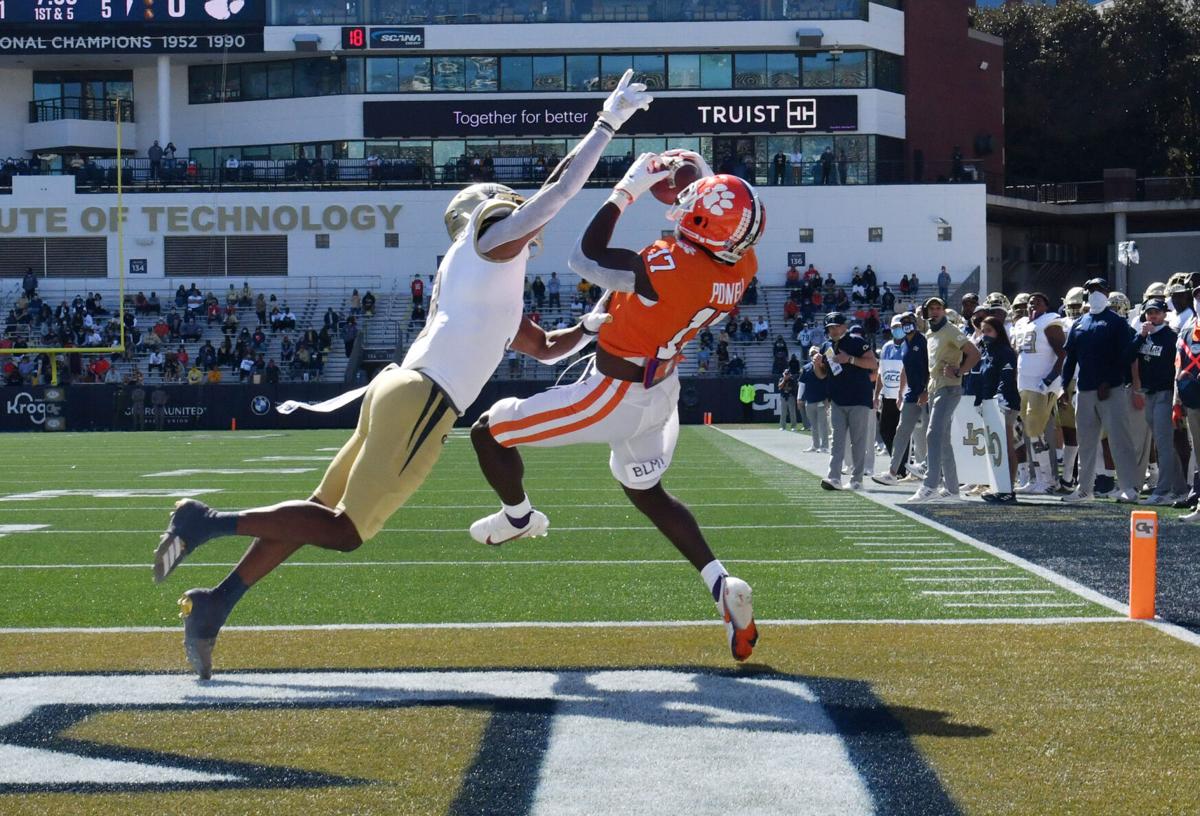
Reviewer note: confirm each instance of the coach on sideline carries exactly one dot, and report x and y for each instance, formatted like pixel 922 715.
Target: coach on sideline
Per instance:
pixel 1101 346
pixel 846 361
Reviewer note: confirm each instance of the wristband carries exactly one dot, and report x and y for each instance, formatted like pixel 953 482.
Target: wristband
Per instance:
pixel 601 124
pixel 621 198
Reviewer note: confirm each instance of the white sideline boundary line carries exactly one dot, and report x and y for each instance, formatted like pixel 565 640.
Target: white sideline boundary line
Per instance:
pixel 678 562
pixel 639 624
pixel 1059 580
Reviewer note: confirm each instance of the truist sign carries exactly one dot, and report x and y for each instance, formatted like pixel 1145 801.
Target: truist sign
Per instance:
pixel 669 115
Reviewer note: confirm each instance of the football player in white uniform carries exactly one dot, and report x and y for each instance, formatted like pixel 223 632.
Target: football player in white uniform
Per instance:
pixel 475 313
pixel 1039 340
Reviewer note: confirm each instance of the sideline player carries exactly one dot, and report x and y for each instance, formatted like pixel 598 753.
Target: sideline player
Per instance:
pixel 475 313
pixel 659 299
pixel 1040 342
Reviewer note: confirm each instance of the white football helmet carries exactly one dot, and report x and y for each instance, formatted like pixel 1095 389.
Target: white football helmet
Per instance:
pixel 722 214
pixel 458 211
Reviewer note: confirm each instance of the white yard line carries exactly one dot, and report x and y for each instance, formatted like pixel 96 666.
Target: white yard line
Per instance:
pixel 1019 606
pixel 964 579
pixel 977 592
pixel 928 569
pixel 638 624
pixel 463 530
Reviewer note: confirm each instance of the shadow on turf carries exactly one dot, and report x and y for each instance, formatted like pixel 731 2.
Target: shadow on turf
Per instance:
pixel 504 775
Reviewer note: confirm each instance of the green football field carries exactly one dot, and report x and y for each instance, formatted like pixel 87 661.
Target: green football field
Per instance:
pixel 900 668
pixel 83 513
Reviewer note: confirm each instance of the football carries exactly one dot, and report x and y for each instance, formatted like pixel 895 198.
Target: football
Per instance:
pixel 684 171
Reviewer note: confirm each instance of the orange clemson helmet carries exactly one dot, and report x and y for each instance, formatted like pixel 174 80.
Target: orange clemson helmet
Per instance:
pixel 722 214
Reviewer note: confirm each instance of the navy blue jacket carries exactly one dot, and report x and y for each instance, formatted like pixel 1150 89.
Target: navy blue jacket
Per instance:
pixel 815 389
pixel 996 374
pixel 916 365
pixel 1155 355
pixel 853 386
pixel 1102 348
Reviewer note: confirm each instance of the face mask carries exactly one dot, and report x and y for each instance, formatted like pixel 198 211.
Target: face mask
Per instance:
pixel 1159 327
pixel 898 333
pixel 1097 302
pixel 1196 306
pixel 937 325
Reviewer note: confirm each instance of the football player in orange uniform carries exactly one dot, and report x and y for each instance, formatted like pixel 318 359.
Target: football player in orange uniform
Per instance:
pixel 658 300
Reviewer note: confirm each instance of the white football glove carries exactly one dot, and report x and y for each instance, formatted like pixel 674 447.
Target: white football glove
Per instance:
pixel 674 157
pixel 592 321
pixel 626 100
pixel 641 176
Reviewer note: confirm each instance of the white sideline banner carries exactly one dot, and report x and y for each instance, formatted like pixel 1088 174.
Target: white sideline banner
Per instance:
pixel 980 452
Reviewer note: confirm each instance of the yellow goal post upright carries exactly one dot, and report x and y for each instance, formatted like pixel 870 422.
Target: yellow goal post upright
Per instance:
pixel 54 351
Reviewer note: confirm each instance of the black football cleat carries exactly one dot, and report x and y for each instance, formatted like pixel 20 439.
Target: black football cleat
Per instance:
pixel 202 622
pixel 185 532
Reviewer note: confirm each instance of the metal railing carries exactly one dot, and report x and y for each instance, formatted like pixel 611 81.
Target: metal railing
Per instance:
pixel 180 175
pixel 86 108
pixel 475 12
pixel 1153 188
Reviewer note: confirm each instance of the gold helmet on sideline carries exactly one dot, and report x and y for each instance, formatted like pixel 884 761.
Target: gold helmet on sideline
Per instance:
pixel 1119 303
pixel 1158 289
pixel 458 211
pixel 1073 302
pixel 1020 305
pixel 997 301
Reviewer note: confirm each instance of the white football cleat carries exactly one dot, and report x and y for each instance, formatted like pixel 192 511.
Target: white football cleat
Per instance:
pixel 496 529
pixel 735 608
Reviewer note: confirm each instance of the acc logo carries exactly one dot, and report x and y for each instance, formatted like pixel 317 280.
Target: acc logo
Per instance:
pixel 260 405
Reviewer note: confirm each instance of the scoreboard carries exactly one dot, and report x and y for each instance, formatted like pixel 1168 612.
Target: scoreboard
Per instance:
pixel 131 26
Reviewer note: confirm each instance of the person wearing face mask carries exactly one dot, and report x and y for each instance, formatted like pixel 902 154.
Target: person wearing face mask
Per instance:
pixel 1039 340
pixel 951 355
pixel 1100 348
pixel 1154 383
pixel 846 361
pixel 998 380
pixel 888 396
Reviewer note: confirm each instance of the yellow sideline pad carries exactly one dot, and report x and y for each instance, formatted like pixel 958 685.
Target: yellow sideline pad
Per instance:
pixel 1087 718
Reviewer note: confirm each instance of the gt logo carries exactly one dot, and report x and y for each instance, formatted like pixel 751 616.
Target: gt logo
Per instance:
pixel 1144 528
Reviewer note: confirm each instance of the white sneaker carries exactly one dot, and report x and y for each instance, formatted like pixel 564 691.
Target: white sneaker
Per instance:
pixel 1192 516
pixel 1077 497
pixel 917 470
pixel 885 478
pixel 924 495
pixel 855 485
pixel 1127 497
pixel 737 611
pixel 496 529
pixel 830 484
pixel 811 449
pixel 946 496
pixel 1037 487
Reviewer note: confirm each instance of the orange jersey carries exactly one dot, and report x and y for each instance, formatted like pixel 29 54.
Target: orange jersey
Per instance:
pixel 694 291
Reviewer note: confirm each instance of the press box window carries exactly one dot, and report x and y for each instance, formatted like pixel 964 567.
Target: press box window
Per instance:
pixel 322 240
pixel 391 240
pixel 875 235
pixel 944 232
pixel 806 236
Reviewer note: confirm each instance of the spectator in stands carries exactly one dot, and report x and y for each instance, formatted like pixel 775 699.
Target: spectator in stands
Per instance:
pixel 225 354
pixel 951 355
pixel 153 304
pixel 214 376
pixel 258 340
pixel 231 297
pixel 791 310
pixel 416 288
pixel 181 296
pixel 594 294
pixel 943 284
pixel 157 360
pixel 99 369
pixel 792 277
pixel 416 320
pixel 349 334
pixel 190 329
pixel 182 356
pixel 324 339
pixel 230 325
pixel 745 330
pixel 887 300
pixel 538 289
pixel 271 373
pixel 246 297
pixel 553 290
pixel 368 304
pixel 905 287
pixel 332 319
pixel 722 356
pixel 762 329
pixel 287 321
pixel 736 366
pixel 274 318
pixel 29 283
pixel 286 350
pixel 260 309
pixel 245 367
pixel 514 363
pixel 206 357
pixel 750 296
pixel 812 276
pixel 703 360
pixel 194 300
pixel 355 307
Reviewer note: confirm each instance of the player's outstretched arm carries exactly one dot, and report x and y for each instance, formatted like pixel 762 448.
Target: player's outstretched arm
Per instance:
pixel 614 268
pixel 506 238
pixel 550 347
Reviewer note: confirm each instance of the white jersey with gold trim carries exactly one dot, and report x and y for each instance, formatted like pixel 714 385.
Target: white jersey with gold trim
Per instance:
pixel 474 313
pixel 1035 357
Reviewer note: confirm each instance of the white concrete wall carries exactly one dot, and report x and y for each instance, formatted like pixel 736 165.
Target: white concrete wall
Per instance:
pixel 839 217
pixel 16 90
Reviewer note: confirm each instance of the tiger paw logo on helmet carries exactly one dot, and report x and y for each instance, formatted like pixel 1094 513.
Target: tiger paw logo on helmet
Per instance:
pixel 718 200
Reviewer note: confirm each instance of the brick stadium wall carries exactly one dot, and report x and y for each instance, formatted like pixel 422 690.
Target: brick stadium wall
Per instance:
pixel 949 100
